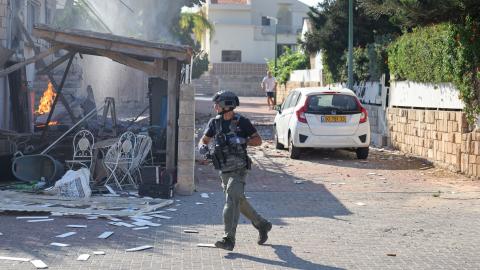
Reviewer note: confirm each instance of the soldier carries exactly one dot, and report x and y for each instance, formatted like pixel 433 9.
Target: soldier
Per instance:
pixel 231 133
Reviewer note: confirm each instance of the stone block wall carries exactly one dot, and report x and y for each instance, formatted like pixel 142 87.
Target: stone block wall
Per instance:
pixel 439 136
pixel 186 141
pixel 284 89
pixel 3 22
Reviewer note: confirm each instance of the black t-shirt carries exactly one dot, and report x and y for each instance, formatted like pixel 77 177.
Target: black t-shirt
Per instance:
pixel 245 127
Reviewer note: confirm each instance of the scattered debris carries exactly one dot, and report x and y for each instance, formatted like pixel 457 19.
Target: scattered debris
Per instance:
pixel 99 253
pixel 391 254
pixel 76 226
pixel 141 217
pixel 39 220
pixel 14 259
pixel 172 209
pixel 206 245
pixel 39 217
pixel 93 206
pixel 39 264
pixel 142 223
pixel 124 224
pixel 204 195
pixel 371 173
pixel 105 235
pixel 65 235
pixel 138 248
pixel 140 228
pixel 83 257
pixel 360 203
pixel 162 217
pixel 190 231
pixel 199 203
pixel 299 181
pixel 59 244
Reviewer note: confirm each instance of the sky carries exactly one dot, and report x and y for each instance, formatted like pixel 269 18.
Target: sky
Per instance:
pixel 310 2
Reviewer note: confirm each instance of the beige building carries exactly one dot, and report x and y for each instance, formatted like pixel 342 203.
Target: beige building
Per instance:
pixel 244 39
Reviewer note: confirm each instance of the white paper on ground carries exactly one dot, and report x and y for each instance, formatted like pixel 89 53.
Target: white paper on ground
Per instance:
pixel 66 235
pixel 39 220
pixel 141 217
pixel 199 203
pixel 155 212
pixel 39 264
pixel 138 248
pixel 14 259
pixel 105 235
pixel 34 217
pixel 162 217
pixel 77 226
pixel 205 195
pixel 206 245
pixel 59 244
pixel 140 228
pixel 83 257
pixel 99 253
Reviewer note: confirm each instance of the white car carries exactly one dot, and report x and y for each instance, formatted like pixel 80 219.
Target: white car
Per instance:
pixel 321 117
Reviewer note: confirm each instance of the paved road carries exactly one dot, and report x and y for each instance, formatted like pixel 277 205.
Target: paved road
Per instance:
pixel 329 211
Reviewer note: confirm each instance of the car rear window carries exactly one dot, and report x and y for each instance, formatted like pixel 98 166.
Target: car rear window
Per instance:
pixel 333 103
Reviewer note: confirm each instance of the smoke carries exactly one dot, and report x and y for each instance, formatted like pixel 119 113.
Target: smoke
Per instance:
pixel 151 20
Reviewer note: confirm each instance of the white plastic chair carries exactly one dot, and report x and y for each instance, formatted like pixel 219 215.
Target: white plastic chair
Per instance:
pixel 142 149
pixel 119 160
pixel 83 143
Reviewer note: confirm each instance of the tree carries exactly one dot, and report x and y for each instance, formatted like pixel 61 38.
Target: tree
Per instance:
pixel 330 23
pixel 411 13
pixel 192 27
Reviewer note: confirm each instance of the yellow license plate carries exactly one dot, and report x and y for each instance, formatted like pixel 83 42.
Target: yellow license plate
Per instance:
pixel 334 119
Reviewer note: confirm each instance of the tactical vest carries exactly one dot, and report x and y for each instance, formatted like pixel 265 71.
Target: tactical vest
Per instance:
pixel 227 156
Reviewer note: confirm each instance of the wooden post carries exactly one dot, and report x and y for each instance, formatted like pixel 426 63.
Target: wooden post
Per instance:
pixel 172 114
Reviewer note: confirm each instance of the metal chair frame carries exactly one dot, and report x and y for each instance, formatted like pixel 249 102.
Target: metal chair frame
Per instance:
pixel 83 142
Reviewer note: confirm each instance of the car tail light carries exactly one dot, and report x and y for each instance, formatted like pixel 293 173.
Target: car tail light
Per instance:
pixel 363 116
pixel 364 113
pixel 301 112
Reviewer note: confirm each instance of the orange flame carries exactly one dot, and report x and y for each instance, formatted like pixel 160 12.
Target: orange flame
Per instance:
pixel 46 101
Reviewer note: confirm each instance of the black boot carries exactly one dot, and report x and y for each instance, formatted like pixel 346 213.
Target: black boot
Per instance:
pixel 225 243
pixel 263 229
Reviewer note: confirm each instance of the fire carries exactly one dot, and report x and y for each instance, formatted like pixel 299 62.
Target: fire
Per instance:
pixel 46 101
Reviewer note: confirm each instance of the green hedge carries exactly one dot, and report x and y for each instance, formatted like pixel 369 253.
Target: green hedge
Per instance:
pixel 441 53
pixel 288 62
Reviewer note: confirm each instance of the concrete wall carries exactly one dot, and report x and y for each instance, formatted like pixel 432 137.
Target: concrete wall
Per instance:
pixel 186 141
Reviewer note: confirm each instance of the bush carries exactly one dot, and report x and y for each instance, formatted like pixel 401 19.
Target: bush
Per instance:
pixel 288 62
pixel 441 53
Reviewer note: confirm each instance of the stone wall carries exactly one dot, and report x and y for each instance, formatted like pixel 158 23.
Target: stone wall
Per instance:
pixel 439 136
pixel 186 141
pixel 284 89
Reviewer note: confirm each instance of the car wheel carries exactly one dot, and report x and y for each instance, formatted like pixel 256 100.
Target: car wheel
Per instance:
pixel 362 152
pixel 294 151
pixel 277 144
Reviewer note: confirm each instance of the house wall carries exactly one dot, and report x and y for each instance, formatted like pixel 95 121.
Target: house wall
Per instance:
pixel 186 141
pixel 239 27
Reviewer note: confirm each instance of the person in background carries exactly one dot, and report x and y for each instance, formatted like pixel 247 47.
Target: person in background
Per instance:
pixel 269 85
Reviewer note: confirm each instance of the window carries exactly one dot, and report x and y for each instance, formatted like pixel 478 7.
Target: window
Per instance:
pixel 327 103
pixel 292 102
pixel 287 101
pixel 231 56
pixel 265 21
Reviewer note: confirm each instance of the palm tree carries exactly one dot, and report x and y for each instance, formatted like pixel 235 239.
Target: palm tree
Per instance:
pixel 193 26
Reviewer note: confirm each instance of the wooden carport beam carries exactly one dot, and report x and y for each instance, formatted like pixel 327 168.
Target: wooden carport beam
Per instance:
pixel 151 70
pixel 56 63
pixel 33 59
